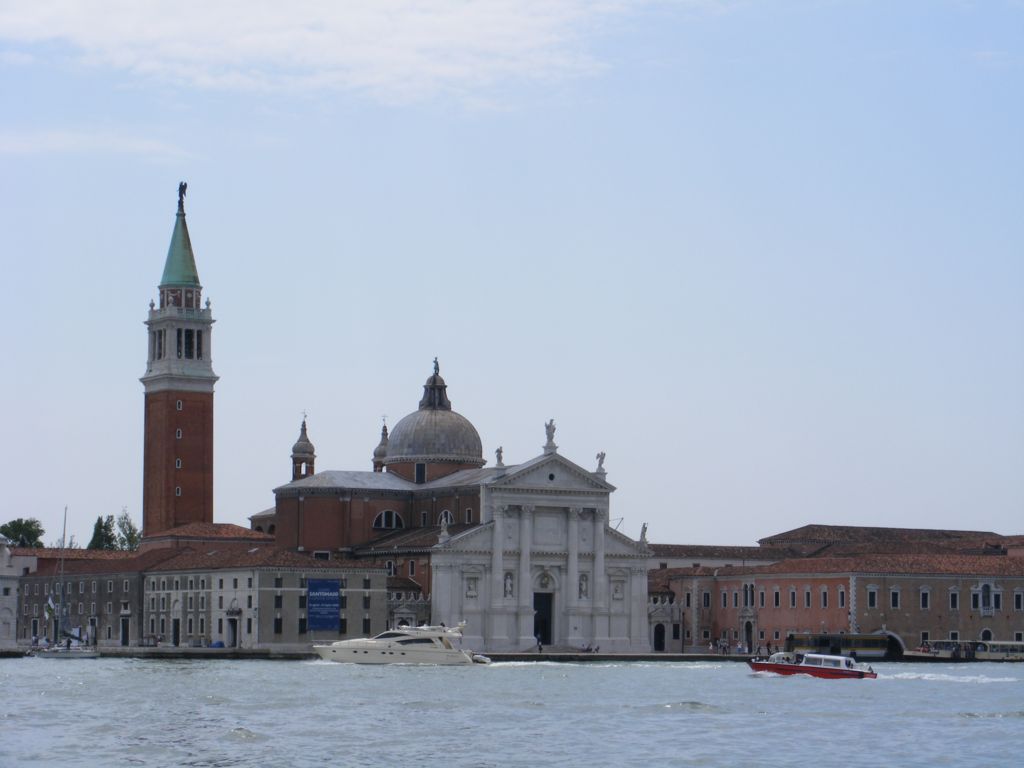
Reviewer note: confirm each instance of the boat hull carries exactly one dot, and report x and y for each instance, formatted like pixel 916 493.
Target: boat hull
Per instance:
pixel 828 673
pixel 355 652
pixel 64 653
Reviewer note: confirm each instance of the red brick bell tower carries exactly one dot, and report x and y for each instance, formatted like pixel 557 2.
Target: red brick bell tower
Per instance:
pixel 178 453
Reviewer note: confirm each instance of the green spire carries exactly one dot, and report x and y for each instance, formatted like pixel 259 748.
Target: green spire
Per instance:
pixel 180 267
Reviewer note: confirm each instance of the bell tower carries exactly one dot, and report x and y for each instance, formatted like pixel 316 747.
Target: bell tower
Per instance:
pixel 178 451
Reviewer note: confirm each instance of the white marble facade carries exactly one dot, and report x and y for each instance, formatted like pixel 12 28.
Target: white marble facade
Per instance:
pixel 543 562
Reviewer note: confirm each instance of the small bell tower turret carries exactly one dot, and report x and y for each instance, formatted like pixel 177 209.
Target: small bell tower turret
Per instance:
pixel 303 455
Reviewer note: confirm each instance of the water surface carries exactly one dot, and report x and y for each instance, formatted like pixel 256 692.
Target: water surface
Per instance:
pixel 299 713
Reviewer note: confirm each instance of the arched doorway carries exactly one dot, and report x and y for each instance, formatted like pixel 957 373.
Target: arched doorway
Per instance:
pixel 986 635
pixel 659 637
pixel 748 636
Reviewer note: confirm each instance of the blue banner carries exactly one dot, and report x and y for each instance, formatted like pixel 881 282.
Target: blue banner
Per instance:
pixel 323 605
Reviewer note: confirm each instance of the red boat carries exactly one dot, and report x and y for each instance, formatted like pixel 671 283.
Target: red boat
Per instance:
pixel 813 664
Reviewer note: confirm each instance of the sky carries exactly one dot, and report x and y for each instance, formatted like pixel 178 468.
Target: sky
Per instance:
pixel 768 257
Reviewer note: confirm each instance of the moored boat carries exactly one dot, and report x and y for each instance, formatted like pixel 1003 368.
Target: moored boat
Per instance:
pixel 66 652
pixel 405 645
pixel 940 650
pixel 813 664
pixel 71 646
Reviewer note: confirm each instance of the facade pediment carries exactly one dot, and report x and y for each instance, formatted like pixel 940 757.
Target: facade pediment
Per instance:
pixel 552 473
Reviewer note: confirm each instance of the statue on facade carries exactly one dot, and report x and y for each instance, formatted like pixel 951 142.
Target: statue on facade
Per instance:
pixel 497 455
pixel 584 586
pixel 549 427
pixel 643 533
pixel 508 585
pixel 600 462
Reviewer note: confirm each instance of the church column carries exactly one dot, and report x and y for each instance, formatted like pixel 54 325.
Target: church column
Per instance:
pixel 639 629
pixel 525 619
pixel 497 630
pixel 600 580
pixel 441 594
pixel 573 579
pixel 497 565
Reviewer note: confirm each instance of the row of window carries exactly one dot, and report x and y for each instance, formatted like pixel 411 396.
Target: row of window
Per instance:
pixel 69 587
pixel 748 598
pixel 390 519
pixel 984 599
pixel 278 583
pixel 188 344
pixel 123 606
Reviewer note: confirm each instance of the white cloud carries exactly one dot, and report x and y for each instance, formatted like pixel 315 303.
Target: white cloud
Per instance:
pixel 15 58
pixel 393 49
pixel 56 142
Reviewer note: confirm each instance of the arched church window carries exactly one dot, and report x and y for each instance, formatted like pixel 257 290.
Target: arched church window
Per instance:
pixel 445 518
pixel 388 519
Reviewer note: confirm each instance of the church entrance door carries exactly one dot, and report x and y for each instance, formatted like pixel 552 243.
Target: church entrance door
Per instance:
pixel 543 614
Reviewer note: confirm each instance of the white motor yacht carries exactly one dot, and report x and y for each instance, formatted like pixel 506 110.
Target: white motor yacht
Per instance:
pixel 405 645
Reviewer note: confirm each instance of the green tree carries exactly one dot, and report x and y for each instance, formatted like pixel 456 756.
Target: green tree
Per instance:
pixel 23 533
pixel 127 534
pixel 103 535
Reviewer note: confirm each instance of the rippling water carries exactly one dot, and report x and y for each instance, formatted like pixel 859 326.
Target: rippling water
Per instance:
pixel 281 713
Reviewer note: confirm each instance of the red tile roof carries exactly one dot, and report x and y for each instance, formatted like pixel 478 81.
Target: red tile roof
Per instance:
pixel 827 534
pixel 211 531
pixel 129 562
pixel 213 557
pixel 698 552
pixel 411 538
pixel 72 554
pixel 938 564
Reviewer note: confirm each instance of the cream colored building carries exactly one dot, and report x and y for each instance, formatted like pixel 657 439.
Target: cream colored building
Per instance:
pixel 543 563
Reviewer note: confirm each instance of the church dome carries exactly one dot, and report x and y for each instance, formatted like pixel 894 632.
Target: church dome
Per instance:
pixel 434 433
